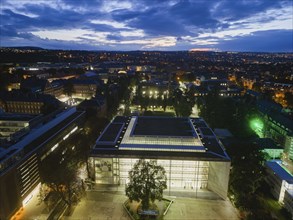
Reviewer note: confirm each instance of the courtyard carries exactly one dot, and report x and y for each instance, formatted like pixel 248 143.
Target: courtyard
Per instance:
pixel 107 205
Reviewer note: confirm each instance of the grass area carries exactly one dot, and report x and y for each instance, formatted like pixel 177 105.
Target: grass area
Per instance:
pixel 275 208
pixel 161 206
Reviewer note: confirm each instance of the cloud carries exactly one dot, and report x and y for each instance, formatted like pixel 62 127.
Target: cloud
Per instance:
pixel 235 10
pixel 261 41
pixel 147 24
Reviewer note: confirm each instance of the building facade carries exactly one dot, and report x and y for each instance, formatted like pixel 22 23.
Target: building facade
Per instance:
pixel 19 163
pixel 194 159
pixel 281 183
pixel 30 103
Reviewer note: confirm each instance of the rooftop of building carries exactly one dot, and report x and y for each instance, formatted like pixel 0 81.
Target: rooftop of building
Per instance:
pixel 267 143
pixel 159 136
pixel 163 126
pixel 16 117
pixel 280 171
pixel 20 96
pixel 40 135
pixel 222 133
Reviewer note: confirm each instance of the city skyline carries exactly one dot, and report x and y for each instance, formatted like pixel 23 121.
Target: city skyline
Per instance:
pixel 257 26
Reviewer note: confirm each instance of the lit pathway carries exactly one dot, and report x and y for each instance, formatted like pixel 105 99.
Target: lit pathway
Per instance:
pixel 189 209
pixel 107 205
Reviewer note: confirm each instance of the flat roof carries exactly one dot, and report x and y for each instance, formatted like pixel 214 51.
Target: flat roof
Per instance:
pixel 276 167
pixel 156 135
pixel 111 133
pixel 267 143
pixel 42 134
pixel 163 126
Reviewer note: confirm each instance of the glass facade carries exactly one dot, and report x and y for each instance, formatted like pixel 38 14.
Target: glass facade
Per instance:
pixel 181 174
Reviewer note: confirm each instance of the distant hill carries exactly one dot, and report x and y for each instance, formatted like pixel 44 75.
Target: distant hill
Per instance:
pixel 25 48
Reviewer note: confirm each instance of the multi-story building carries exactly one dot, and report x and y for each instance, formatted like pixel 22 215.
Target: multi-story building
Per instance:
pixel 27 103
pixel 269 147
pixel 281 182
pixel 55 88
pixel 194 159
pixel 19 163
pixel 94 105
pixel 277 126
pixel 14 126
pixel 84 87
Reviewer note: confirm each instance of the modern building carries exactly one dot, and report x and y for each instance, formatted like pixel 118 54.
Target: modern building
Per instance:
pixel 15 126
pixel 277 125
pixel 269 147
pixel 194 159
pixel 19 163
pixel 281 182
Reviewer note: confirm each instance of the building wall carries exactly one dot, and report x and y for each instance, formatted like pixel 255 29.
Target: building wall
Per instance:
pixel 24 107
pixel 274 183
pixel 20 177
pixel 219 178
pixel 182 175
pixel 28 175
pixel 9 194
pixel 85 90
pixel 289 146
pixel 288 202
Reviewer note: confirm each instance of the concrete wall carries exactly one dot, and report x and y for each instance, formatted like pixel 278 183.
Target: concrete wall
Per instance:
pixel 219 178
pixel 9 194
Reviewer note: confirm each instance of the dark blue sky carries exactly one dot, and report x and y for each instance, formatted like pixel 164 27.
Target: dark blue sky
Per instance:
pixel 225 25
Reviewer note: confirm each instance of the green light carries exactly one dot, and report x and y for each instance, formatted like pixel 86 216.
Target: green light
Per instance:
pixel 257 126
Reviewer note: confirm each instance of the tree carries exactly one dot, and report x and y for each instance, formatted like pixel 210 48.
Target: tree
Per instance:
pixel 60 173
pixel 182 104
pixel 68 88
pixel 147 180
pixel 247 174
pixel 289 99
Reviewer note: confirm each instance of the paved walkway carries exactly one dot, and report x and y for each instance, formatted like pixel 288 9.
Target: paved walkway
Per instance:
pixel 107 205
pixel 189 209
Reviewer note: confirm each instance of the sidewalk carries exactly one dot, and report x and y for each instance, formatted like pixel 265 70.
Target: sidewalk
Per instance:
pixel 104 204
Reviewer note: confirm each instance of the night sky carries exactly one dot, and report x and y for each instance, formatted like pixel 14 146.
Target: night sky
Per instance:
pixel 224 25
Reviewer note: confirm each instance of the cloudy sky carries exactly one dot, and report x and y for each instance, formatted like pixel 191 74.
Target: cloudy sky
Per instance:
pixel 225 25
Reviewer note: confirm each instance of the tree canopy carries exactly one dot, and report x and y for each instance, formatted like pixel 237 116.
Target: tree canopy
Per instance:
pixel 147 180
pixel 60 173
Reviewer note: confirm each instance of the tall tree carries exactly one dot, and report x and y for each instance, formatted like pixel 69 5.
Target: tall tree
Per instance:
pixel 247 174
pixel 69 88
pixel 147 182
pixel 59 171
